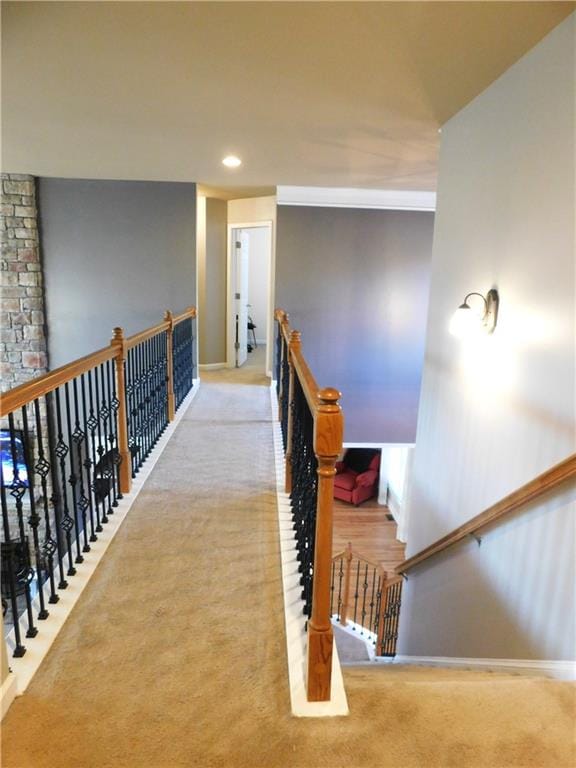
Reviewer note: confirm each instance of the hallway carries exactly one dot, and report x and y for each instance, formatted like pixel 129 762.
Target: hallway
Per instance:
pixel 175 656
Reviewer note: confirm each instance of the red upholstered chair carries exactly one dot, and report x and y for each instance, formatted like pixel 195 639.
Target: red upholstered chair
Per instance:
pixel 357 475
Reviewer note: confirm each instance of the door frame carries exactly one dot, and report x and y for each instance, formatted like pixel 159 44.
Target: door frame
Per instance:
pixel 230 313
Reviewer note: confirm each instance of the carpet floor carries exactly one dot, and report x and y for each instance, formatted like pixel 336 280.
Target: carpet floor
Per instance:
pixel 175 655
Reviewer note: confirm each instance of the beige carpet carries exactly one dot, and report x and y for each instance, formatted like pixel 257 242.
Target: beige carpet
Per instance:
pixel 175 655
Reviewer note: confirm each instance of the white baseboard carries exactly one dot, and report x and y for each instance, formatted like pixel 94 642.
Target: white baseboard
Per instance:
pixel 296 638
pixel 559 670
pixel 8 692
pixel 25 667
pixel 213 366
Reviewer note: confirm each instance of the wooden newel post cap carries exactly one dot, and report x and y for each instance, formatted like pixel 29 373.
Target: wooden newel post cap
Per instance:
pixel 295 339
pixel 168 315
pixel 329 396
pixel 118 334
pixel 192 311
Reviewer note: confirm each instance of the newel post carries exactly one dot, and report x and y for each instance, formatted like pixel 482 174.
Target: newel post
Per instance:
pixel 125 470
pixel 328 435
pixel 168 317
pixel 295 345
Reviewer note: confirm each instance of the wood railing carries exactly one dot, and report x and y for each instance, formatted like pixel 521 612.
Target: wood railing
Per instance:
pixel 365 595
pixel 72 440
pixel 312 429
pixel 541 485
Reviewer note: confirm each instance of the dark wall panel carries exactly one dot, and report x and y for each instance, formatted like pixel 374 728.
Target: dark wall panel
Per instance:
pixel 115 253
pixel 355 283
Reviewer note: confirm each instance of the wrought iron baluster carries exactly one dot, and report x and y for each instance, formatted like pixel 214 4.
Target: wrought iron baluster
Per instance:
pixel 114 450
pixel 356 593
pixel 362 621
pixel 42 468
pixel 93 424
pixel 79 436
pixel 88 462
pixel 9 571
pixel 106 415
pixel 72 477
pixel 34 519
pixel 57 499
pixel 18 489
pixel 372 604
pixel 62 451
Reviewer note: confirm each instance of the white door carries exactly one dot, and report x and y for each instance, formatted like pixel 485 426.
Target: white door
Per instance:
pixel 240 284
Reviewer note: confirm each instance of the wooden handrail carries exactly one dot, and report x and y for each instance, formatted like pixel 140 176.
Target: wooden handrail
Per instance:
pixel 307 380
pixel 138 338
pixel 541 485
pixel 190 312
pixel 48 382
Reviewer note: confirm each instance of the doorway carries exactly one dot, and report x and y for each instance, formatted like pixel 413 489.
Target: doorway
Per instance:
pixel 249 294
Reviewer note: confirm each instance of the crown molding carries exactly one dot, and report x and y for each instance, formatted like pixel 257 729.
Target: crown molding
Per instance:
pixel 341 197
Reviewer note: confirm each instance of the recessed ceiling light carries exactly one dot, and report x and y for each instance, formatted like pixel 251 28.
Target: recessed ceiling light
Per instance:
pixel 231 161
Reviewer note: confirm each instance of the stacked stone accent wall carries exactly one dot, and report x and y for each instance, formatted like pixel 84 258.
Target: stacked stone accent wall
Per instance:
pixel 23 352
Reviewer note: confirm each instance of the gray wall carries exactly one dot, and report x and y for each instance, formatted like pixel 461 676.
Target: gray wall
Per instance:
pixel 115 253
pixel 213 325
pixel 355 283
pixel 497 411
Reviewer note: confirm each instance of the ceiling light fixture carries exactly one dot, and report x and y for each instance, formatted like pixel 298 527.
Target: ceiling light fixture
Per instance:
pixel 468 321
pixel 231 161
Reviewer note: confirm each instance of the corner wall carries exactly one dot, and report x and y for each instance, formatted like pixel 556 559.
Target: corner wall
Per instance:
pixel 115 253
pixel 355 283
pixel 496 413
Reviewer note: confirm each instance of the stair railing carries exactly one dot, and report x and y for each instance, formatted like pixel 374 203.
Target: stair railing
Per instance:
pixel 364 597
pixel 72 440
pixel 312 432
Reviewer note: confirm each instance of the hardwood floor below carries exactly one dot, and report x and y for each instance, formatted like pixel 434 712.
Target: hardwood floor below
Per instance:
pixel 371 532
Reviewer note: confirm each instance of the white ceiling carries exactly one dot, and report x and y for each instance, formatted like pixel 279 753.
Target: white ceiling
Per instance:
pixel 308 94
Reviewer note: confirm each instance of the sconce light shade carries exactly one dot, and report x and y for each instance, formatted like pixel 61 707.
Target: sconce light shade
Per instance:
pixel 468 321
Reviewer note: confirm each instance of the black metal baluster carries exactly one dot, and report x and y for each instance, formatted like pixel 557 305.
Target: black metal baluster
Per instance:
pixel 61 451
pixel 107 470
pixel 58 500
pixel 340 577
pixel 34 520
pixel 113 451
pixel 42 468
pixel 25 574
pixel 93 425
pixel 9 570
pixel 372 604
pixel 356 593
pixel 144 352
pixel 364 592
pixel 79 437
pixel 101 450
pixel 131 412
pixel 73 477
pixel 88 463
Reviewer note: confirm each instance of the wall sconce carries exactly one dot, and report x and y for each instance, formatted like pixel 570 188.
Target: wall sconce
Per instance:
pixel 470 321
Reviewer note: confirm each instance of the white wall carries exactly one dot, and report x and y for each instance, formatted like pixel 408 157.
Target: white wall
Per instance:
pixel 495 414
pixel 259 257
pixel 394 476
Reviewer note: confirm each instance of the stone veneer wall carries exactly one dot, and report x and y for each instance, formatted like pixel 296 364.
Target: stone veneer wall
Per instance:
pixel 23 352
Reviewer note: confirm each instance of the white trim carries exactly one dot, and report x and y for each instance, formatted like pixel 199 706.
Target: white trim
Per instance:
pixel 560 670
pixel 212 366
pixel 8 692
pixel 343 197
pixel 293 604
pixel 25 667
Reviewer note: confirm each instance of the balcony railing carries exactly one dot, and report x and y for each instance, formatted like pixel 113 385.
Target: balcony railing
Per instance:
pixel 72 440
pixel 312 430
